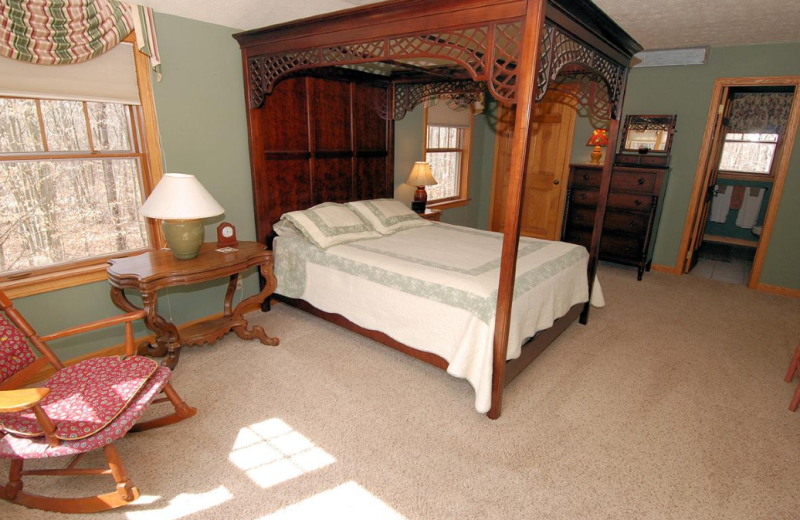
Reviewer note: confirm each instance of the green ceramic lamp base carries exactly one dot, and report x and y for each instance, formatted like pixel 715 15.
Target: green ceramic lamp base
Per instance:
pixel 184 237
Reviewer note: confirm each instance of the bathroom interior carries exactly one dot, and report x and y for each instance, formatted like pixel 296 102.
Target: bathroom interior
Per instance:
pixel 733 230
pixel 752 133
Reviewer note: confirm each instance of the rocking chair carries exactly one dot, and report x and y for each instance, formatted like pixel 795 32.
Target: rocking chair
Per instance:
pixel 83 407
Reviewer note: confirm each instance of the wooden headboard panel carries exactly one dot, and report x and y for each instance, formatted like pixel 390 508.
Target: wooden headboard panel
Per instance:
pixel 317 140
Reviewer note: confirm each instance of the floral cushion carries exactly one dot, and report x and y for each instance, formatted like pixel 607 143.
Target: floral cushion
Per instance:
pixel 15 354
pixel 12 447
pixel 85 397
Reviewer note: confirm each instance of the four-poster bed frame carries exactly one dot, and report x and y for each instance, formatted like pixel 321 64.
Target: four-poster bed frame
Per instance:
pixel 517 47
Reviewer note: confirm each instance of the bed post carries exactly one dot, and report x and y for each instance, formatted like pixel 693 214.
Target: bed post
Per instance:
pixel 526 91
pixel 602 197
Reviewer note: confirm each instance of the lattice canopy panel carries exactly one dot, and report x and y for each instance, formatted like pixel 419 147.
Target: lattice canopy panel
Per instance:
pixel 457 94
pixel 489 52
pixel 560 50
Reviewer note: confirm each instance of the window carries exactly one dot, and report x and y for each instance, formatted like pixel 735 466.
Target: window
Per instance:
pixel 748 153
pixel 445 150
pixel 74 174
pixel 72 182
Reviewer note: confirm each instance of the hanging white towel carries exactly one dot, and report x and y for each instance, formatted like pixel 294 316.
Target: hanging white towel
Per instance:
pixel 751 207
pixel 721 203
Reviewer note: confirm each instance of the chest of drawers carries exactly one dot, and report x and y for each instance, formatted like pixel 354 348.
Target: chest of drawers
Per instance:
pixel 632 213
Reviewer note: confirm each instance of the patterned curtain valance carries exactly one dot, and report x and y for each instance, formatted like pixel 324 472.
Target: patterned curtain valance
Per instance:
pixel 61 32
pixel 757 113
pixel 56 32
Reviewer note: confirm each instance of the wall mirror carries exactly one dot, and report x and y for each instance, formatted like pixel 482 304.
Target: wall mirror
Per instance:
pixel 644 134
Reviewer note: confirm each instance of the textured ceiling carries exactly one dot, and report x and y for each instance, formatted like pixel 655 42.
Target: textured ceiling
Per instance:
pixel 660 24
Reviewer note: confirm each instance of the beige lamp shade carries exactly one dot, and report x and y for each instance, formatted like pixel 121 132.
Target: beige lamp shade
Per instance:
pixel 421 175
pixel 180 197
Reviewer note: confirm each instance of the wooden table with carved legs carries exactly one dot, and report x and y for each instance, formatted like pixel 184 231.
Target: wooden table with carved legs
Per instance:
pixel 154 270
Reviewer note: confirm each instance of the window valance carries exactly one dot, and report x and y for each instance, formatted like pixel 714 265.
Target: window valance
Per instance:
pixel 61 32
pixel 759 113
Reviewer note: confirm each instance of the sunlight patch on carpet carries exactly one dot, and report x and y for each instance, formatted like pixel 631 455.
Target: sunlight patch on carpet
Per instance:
pixel 182 505
pixel 349 501
pixel 271 452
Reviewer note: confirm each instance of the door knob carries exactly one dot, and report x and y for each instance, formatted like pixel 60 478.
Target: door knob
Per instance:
pixel 556 182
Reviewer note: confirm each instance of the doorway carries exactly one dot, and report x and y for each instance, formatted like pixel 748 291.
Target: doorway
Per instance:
pixel 553 124
pixel 744 159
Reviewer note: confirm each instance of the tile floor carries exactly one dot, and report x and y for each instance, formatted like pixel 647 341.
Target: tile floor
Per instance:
pixel 724 263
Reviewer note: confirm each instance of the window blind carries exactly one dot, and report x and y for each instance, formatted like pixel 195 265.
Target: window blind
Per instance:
pixel 441 114
pixel 109 78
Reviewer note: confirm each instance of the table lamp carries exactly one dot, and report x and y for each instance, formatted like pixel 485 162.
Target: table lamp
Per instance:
pixel 420 177
pixel 598 140
pixel 180 201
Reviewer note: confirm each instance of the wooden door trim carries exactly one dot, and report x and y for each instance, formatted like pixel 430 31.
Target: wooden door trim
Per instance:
pixel 780 173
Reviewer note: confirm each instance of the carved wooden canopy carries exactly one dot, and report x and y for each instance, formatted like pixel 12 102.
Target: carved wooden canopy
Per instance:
pixel 488 48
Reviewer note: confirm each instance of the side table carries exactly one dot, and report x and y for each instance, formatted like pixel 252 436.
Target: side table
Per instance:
pixel 156 270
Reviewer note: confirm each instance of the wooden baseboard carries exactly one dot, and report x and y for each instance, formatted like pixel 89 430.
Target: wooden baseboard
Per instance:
pixel 119 349
pixel 669 269
pixel 775 289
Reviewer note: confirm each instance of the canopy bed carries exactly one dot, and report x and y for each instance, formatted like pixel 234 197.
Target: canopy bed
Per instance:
pixel 320 119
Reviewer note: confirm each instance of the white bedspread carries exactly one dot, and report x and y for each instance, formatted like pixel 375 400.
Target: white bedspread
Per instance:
pixel 434 288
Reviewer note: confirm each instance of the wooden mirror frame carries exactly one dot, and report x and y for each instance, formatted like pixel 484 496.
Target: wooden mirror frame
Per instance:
pixel 648 122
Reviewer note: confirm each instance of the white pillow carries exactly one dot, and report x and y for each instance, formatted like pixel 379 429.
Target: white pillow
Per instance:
pixel 388 216
pixel 330 224
pixel 284 228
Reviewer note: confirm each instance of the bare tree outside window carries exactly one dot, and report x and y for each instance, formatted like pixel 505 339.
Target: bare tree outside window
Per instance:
pixel 748 153
pixel 445 149
pixel 71 183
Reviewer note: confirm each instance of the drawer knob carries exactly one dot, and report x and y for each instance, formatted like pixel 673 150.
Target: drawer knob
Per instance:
pixel 640 181
pixel 579 217
pixel 632 223
pixel 586 176
pixel 583 196
pixel 637 202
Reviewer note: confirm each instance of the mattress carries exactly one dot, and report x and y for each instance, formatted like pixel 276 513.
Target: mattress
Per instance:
pixel 434 288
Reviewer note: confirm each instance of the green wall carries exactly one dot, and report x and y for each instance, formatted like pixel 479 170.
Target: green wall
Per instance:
pixel 201 115
pixel 686 91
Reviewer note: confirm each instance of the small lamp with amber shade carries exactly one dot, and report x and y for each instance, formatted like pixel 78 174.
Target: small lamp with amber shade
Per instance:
pixel 180 201
pixel 420 177
pixel 599 139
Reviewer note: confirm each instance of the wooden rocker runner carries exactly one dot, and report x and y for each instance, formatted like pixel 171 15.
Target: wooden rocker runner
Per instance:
pixel 83 407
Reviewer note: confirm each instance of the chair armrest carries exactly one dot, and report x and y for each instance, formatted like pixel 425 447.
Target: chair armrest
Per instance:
pixel 18 400
pixel 99 324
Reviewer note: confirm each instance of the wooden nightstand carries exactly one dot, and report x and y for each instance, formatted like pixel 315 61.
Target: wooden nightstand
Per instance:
pixel 432 214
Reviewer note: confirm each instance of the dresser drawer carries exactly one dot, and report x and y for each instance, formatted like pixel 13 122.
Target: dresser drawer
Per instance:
pixel 583 197
pixel 581 237
pixel 581 217
pixel 632 201
pixel 626 201
pixel 626 222
pixel 641 182
pixel 624 247
pixel 586 177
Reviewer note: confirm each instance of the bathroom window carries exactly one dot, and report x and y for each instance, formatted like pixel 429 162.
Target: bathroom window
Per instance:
pixel 748 153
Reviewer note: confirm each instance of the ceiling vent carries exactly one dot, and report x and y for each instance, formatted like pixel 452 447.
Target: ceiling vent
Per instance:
pixel 671 57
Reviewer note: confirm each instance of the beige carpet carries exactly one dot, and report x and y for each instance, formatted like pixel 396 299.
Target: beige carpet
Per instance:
pixel 670 404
